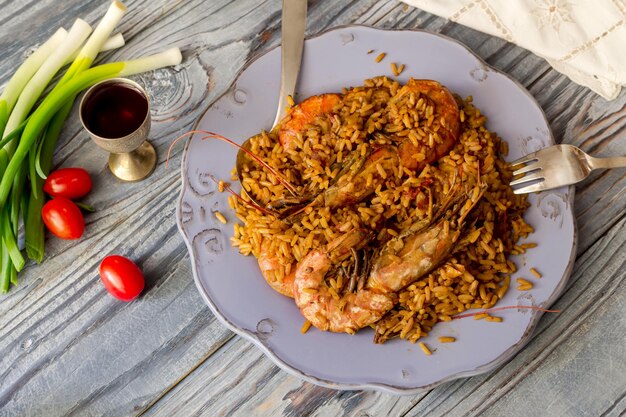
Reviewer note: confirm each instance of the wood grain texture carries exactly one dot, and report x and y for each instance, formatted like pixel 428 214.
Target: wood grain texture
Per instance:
pixel 67 348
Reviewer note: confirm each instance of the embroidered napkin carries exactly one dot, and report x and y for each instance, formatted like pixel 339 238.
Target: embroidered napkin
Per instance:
pixel 583 39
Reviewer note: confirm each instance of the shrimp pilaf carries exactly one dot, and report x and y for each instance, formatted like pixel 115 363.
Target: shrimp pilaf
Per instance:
pixel 402 215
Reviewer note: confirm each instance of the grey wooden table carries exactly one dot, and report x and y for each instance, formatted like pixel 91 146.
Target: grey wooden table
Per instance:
pixel 68 348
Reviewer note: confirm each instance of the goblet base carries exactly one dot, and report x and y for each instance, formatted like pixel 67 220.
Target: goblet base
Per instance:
pixel 135 165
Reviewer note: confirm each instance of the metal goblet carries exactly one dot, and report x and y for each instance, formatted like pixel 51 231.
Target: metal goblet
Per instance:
pixel 132 157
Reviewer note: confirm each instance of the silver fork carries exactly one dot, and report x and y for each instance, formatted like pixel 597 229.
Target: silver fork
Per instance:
pixel 557 166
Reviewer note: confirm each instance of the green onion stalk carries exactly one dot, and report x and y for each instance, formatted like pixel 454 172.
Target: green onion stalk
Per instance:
pixel 8 99
pixel 22 105
pixel 4 116
pixel 34 229
pixel 114 42
pixel 23 92
pixel 24 73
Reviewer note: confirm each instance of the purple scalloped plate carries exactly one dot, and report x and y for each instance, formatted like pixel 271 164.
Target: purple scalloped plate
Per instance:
pixel 232 285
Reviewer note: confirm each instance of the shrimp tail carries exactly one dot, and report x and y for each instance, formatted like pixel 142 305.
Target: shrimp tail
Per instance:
pixel 405 259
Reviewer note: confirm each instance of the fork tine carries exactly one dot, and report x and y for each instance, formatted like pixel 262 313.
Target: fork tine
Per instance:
pixel 527 178
pixel 528 168
pixel 533 188
pixel 524 159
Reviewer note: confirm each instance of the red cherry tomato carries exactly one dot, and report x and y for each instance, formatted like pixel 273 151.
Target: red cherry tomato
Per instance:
pixel 63 218
pixel 121 277
pixel 72 183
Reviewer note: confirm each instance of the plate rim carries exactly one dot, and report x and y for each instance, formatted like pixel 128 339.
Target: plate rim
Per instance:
pixel 382 387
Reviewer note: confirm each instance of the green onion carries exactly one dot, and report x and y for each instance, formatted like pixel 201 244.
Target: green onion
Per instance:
pixel 10 243
pixel 40 80
pixel 28 97
pixel 4 116
pixel 12 135
pixel 114 42
pixel 31 91
pixel 33 223
pixel 6 266
pixel 25 72
pixel 10 128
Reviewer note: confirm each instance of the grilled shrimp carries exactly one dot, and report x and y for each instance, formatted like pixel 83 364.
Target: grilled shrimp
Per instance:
pixel 326 311
pixel 440 134
pixel 268 264
pixel 400 262
pixel 411 255
pixel 355 183
pixel 305 113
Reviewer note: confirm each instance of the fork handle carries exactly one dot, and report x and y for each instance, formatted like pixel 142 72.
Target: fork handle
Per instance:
pixel 614 162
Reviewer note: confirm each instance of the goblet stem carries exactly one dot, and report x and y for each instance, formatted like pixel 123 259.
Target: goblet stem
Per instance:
pixel 135 165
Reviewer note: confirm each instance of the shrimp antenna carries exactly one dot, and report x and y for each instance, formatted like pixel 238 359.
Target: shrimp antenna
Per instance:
pixel 238 197
pixel 211 135
pixel 491 310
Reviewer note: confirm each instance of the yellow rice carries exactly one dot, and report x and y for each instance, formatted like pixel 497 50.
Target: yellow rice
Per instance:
pixel 220 217
pixel 305 327
pixel 478 273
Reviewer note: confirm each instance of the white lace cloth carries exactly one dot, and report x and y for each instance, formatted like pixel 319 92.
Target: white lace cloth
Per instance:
pixel 583 39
